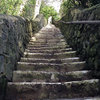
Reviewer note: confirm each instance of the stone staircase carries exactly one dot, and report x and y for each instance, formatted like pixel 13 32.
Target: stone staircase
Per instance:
pixel 49 70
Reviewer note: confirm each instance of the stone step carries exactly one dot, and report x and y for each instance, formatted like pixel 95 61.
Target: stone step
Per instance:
pixel 48 51
pixel 49 32
pixel 48 37
pixel 84 98
pixel 75 66
pixel 46 43
pixel 49 40
pixel 47 90
pixel 50 55
pixel 44 33
pixel 47 47
pixel 43 76
pixel 34 60
pixel 44 36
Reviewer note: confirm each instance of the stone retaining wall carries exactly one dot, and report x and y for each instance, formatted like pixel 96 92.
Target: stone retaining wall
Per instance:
pixel 84 38
pixel 15 33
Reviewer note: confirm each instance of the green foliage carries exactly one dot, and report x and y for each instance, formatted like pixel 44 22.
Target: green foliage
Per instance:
pixel 28 10
pixel 67 4
pixel 10 7
pixel 94 2
pixel 48 11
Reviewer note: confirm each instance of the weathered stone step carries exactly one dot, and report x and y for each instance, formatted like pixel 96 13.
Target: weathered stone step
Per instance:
pixel 44 90
pixel 50 56
pixel 48 36
pixel 44 37
pixel 84 98
pixel 48 51
pixel 34 60
pixel 47 47
pixel 57 44
pixel 46 43
pixel 50 32
pixel 49 39
pixel 42 76
pixel 75 66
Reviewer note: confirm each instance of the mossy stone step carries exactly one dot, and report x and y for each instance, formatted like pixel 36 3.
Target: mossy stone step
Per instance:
pixel 50 56
pixel 42 76
pixel 84 98
pixel 48 37
pixel 34 60
pixel 47 47
pixel 45 90
pixel 75 66
pixel 48 51
pixel 48 43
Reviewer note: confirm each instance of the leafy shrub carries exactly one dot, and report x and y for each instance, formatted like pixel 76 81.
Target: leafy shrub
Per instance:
pixel 10 7
pixel 48 11
pixel 67 4
pixel 94 2
pixel 28 10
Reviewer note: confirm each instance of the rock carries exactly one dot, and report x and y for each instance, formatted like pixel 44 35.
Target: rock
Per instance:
pixel 38 23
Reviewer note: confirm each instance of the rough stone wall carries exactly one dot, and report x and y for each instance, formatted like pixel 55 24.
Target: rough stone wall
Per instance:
pixel 84 38
pixel 15 33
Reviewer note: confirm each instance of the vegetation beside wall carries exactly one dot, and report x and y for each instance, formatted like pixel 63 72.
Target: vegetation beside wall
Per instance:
pixel 48 11
pixel 28 11
pixel 68 4
pixel 10 7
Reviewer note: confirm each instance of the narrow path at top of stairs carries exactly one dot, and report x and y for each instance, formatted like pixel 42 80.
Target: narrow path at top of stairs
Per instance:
pixel 50 69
